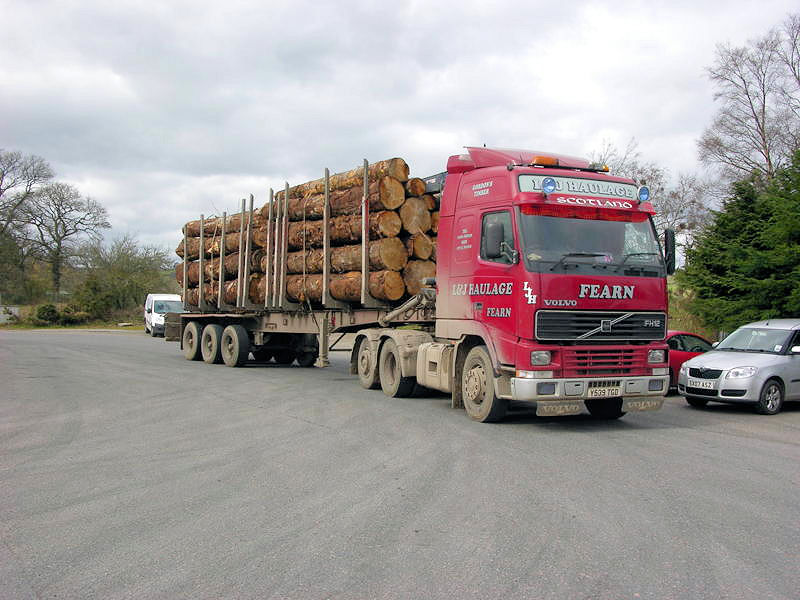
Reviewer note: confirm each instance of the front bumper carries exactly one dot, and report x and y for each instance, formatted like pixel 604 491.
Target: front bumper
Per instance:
pixel 745 390
pixel 645 392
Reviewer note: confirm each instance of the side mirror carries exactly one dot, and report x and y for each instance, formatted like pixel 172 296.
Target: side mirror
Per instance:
pixel 795 350
pixel 669 250
pixel 715 344
pixel 148 310
pixel 494 239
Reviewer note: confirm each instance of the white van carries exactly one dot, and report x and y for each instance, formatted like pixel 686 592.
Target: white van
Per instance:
pixel 155 307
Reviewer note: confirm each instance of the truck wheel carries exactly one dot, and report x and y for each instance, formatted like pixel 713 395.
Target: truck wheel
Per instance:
pixel 191 341
pixel 392 382
pixel 262 354
pixel 477 388
pixel 605 408
pixel 771 398
pixel 235 345
pixel 367 366
pixel 210 346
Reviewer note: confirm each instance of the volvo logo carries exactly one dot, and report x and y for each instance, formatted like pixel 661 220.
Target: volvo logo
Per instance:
pixel 605 325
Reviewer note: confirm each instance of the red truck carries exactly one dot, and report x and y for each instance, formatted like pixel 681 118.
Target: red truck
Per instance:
pixel 550 288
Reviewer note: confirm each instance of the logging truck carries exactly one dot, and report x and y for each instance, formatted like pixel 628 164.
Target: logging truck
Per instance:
pixel 512 276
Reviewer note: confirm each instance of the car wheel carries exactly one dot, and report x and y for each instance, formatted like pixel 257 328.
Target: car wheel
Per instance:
pixel 696 402
pixel 771 399
pixel 477 388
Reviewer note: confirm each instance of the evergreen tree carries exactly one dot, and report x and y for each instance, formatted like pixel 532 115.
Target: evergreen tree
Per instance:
pixel 745 265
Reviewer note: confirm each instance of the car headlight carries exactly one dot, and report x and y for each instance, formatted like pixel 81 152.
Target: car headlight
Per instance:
pixel 539 358
pixel 741 372
pixel 655 356
pixel 684 369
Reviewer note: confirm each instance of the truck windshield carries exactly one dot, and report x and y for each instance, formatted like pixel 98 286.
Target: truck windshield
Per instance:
pixel 163 307
pixel 565 239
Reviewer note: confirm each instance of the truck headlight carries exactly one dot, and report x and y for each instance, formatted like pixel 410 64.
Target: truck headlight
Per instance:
pixel 539 358
pixel 655 356
pixel 741 372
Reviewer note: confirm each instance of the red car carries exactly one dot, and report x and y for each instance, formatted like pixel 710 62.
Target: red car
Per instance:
pixel 683 346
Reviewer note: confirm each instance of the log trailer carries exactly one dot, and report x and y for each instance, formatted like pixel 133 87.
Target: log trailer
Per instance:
pixel 550 287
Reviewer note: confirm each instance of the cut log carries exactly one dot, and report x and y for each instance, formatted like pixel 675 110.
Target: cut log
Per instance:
pixel 191 296
pixel 385 193
pixel 192 275
pixel 435 221
pixel 430 201
pixel 434 245
pixel 256 260
pixel 257 289
pixel 415 187
pixel 343 230
pixel 384 253
pixel 213 225
pixel 231 263
pixel 415 216
pixel 415 272
pixel 383 285
pixel 419 246
pixel 393 167
pixel 211 245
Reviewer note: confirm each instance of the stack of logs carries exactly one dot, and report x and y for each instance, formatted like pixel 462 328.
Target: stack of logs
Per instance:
pixel 403 224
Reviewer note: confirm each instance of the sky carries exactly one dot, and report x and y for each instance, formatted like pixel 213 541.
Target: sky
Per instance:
pixel 165 110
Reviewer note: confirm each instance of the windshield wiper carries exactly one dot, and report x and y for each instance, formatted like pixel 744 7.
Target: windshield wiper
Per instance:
pixel 627 256
pixel 577 254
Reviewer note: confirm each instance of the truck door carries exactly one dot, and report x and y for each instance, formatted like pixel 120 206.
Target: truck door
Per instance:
pixel 492 290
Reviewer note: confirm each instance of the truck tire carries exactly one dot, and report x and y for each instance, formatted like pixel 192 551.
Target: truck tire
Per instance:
pixel 262 354
pixel 210 344
pixel 191 341
pixel 284 357
pixel 605 408
pixel 235 345
pixel 367 366
pixel 307 359
pixel 393 383
pixel 477 388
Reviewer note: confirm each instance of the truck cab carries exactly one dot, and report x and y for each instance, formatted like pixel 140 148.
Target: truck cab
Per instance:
pixel 553 269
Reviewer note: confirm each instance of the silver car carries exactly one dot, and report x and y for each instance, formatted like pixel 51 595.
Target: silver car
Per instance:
pixel 758 363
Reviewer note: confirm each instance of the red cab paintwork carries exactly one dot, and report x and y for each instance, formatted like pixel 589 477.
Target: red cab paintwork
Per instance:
pixel 683 345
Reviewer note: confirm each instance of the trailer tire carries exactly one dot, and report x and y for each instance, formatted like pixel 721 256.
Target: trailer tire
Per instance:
pixel 367 367
pixel 307 359
pixel 235 345
pixel 211 344
pixel 262 354
pixel 477 388
pixel 191 341
pixel 284 357
pixel 393 383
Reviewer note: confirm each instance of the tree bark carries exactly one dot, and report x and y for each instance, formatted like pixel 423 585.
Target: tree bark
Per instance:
pixel 213 225
pixel 431 203
pixel 415 216
pixel 343 230
pixel 415 272
pixel 393 167
pixel 211 267
pixel 211 245
pixel 385 193
pixel 192 275
pixel 434 246
pixel 435 221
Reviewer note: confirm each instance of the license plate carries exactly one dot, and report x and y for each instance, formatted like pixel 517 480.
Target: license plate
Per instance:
pixel 703 384
pixel 604 392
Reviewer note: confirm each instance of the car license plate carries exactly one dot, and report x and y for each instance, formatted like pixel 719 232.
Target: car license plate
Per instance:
pixel 604 392
pixel 703 384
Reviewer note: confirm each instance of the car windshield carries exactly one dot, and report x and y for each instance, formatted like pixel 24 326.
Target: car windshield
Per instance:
pixel 167 306
pixel 751 339
pixel 582 241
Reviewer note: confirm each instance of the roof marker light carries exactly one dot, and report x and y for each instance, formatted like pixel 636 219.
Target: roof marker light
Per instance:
pixel 548 185
pixel 644 193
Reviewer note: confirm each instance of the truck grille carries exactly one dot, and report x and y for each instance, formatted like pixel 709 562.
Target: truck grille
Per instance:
pixel 600 325
pixel 597 361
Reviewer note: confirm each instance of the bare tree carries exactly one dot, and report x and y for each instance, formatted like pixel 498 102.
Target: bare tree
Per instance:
pixel 57 218
pixel 755 130
pixel 20 176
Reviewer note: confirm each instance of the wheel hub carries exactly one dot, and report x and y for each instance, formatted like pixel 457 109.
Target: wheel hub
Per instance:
pixel 475 387
pixel 773 394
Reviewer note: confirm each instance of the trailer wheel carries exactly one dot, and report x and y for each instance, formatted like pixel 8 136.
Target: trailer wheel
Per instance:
pixel 284 357
pixel 262 354
pixel 235 345
pixel 367 366
pixel 191 341
pixel 307 359
pixel 210 344
pixel 392 382
pixel 477 388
